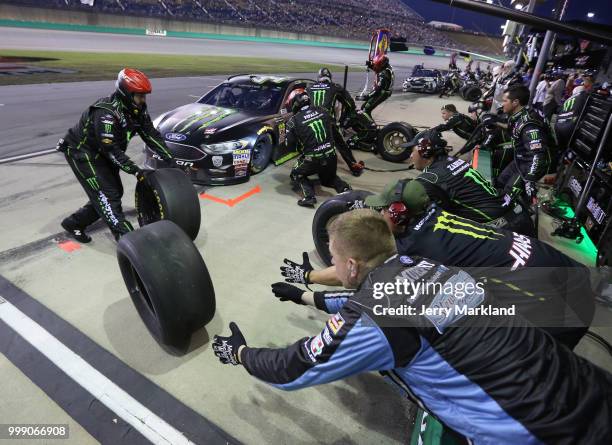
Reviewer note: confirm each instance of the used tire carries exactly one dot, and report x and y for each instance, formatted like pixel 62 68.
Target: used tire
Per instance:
pixel 331 208
pixel 168 194
pixel 261 153
pixel 168 282
pixel 390 137
pixel 472 93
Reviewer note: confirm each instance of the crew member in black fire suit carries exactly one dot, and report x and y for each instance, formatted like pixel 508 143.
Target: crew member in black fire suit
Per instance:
pixel 462 125
pixel 530 141
pixel 310 130
pixel 494 379
pixel 568 116
pixel 325 94
pixel 383 85
pixel 548 288
pixel 462 190
pixel 95 150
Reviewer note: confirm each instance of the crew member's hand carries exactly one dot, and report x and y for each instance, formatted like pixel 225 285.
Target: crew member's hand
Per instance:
pixel 226 348
pixel 489 120
pixel 288 292
pixel 297 273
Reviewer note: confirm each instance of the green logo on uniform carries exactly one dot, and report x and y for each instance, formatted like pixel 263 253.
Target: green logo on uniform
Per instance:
pixel 318 97
pixel 318 129
pixel 569 103
pixel 475 176
pixel 461 226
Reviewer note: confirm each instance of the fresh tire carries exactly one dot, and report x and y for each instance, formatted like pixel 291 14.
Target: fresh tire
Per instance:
pixel 327 211
pixel 168 194
pixel 168 282
pixel 472 94
pixel 261 153
pixel 391 137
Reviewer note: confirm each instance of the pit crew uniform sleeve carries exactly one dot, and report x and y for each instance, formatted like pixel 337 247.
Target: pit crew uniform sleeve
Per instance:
pixel 451 123
pixel 290 136
pixel 331 301
pixel 535 146
pixel 152 137
pixel 112 143
pixel 350 343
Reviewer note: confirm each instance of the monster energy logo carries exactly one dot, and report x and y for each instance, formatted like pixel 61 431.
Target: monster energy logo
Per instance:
pixel 318 129
pixel 533 134
pixel 213 116
pixel 475 176
pixel 569 103
pixel 93 183
pixel 318 96
pixel 108 128
pixel 453 224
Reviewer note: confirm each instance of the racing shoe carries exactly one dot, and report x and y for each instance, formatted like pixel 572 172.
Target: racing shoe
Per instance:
pixel 357 168
pixel 76 232
pixel 307 202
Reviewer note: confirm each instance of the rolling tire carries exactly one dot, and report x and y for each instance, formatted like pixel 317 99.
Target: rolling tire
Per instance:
pixel 261 153
pixel 331 208
pixel 472 94
pixel 389 139
pixel 462 90
pixel 168 194
pixel 168 282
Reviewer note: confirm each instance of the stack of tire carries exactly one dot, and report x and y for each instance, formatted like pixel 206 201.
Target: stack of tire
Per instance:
pixel 164 272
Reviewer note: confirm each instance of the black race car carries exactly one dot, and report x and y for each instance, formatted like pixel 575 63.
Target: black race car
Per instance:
pixel 423 80
pixel 232 132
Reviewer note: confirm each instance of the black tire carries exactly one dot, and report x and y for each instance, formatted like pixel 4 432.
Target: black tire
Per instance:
pixel 168 193
pixel 331 208
pixel 168 282
pixel 462 90
pixel 390 137
pixel 472 93
pixel 261 153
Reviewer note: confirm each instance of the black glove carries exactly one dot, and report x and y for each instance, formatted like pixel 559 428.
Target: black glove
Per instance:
pixel 297 273
pixel 226 348
pixel 489 120
pixel 288 292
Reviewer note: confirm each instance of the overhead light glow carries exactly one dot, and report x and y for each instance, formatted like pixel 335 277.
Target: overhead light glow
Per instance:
pixel 590 15
pixel 518 6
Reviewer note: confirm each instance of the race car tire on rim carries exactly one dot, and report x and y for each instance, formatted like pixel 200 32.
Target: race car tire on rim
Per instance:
pixel 168 282
pixel 261 153
pixel 331 208
pixel 390 137
pixel 168 193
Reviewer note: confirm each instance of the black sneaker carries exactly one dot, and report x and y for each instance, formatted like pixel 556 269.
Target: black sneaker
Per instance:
pixel 307 202
pixel 76 232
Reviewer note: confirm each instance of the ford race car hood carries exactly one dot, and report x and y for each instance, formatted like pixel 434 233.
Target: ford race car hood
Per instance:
pixel 425 79
pixel 191 123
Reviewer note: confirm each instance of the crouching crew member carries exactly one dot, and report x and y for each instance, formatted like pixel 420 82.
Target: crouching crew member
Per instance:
pixel 310 131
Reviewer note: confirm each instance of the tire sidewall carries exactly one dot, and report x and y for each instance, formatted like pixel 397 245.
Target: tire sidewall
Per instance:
pixel 401 127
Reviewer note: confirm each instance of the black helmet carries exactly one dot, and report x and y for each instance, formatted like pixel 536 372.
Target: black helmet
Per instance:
pixel 300 100
pixel 325 75
pixel 429 143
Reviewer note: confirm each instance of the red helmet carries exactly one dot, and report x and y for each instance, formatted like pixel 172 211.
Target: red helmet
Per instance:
pixel 379 62
pixel 130 82
pixel 292 96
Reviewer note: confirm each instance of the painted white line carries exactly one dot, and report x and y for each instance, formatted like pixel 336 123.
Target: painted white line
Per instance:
pixel 197 97
pixel 29 155
pixel 121 403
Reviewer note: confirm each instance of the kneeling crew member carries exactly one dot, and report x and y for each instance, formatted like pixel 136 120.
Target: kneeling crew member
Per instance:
pixel 493 379
pixel 457 188
pixel 540 280
pixel 325 94
pixel 310 130
pixel 95 150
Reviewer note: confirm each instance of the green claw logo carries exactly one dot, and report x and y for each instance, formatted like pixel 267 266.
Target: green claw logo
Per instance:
pixel 318 97
pixel 318 129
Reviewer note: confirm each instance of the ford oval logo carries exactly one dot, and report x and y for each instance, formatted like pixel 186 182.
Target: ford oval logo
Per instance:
pixel 176 137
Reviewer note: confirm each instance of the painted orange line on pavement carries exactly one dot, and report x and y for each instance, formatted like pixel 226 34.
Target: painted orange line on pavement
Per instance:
pixel 69 246
pixel 234 201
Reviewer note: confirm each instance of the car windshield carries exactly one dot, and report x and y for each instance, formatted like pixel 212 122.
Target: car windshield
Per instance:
pixel 425 73
pixel 247 96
